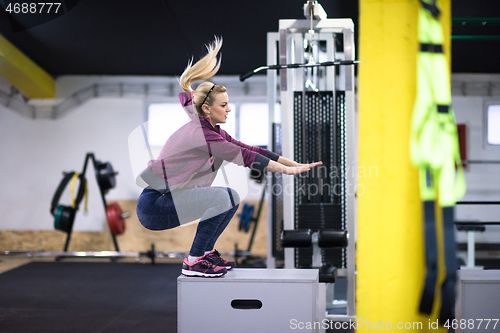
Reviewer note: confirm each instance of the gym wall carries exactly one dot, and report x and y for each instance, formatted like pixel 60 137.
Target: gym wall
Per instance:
pixel 35 152
pixel 483 180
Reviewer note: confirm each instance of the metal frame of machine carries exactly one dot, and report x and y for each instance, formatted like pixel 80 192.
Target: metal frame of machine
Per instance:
pixel 289 46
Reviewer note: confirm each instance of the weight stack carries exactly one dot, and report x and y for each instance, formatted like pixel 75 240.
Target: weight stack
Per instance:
pixel 340 161
pixel 319 124
pixel 317 216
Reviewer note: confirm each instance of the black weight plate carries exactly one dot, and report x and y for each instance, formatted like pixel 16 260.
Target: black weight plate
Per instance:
pixel 105 176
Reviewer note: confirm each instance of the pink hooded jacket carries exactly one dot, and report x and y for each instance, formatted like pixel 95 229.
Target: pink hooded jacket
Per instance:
pixel 194 144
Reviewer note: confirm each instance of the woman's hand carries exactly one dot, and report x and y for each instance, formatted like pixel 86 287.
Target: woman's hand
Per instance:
pixel 296 170
pixel 311 165
pixel 291 170
pixel 300 168
pixel 290 163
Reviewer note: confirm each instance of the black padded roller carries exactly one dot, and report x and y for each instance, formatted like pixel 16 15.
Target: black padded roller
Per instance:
pixel 327 274
pixel 296 238
pixel 480 228
pixel 332 238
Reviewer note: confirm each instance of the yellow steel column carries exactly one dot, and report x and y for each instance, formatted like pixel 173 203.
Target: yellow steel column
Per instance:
pixel 390 253
pixel 23 73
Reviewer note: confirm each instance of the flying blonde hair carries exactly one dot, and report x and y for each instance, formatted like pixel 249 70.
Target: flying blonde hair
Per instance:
pixel 203 69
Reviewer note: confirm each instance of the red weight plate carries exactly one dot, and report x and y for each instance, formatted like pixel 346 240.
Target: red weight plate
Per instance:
pixel 115 219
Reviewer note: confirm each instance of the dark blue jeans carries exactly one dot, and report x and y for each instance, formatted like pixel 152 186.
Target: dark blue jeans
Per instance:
pixel 214 206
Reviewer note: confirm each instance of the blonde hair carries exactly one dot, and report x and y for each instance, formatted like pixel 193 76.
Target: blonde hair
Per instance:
pixel 203 69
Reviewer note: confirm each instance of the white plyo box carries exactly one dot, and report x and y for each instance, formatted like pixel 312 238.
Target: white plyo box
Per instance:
pixel 287 298
pixel 478 300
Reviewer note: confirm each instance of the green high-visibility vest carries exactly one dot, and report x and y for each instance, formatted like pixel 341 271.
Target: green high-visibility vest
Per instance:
pixel 434 145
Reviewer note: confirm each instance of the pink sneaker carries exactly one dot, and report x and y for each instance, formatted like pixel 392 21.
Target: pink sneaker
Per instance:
pixel 202 267
pixel 215 258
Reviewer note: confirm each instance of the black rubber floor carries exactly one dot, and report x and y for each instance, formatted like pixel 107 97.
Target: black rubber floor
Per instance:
pixel 89 297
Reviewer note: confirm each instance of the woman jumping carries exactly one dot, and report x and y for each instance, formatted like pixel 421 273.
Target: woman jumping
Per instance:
pixel 180 178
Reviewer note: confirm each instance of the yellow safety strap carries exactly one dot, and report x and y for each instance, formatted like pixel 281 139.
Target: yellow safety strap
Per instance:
pixel 73 182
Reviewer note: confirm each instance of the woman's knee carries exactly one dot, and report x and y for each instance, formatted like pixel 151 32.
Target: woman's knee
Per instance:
pixel 225 197
pixel 234 196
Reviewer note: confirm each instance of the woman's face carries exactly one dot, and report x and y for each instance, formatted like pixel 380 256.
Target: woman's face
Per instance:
pixel 219 110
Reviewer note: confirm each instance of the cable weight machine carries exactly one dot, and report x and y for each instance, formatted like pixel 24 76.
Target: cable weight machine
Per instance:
pixel 312 221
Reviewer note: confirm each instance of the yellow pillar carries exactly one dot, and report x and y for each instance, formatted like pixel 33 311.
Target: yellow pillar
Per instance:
pixel 390 244
pixel 23 73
